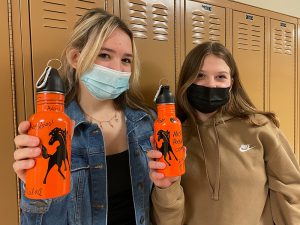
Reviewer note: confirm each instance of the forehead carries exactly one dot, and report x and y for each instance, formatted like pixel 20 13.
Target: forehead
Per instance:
pixel 214 63
pixel 118 40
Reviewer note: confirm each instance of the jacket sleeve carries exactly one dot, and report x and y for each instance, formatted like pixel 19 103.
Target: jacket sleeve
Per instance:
pixel 43 212
pixel 284 180
pixel 168 205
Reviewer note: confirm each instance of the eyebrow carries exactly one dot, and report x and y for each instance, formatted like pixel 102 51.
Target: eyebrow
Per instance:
pixel 223 71
pixel 113 51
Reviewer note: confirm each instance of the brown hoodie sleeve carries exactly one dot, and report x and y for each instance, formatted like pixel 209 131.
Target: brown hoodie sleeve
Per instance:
pixel 284 178
pixel 168 205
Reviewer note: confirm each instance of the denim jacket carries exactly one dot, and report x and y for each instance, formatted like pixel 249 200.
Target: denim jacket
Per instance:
pixel 87 202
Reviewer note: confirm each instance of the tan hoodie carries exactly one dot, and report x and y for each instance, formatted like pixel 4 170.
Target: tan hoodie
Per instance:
pixel 236 174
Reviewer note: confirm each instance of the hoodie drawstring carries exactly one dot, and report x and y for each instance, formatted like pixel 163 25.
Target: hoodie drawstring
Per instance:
pixel 214 190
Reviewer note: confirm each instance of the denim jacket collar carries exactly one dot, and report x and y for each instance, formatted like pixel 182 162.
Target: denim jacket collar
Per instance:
pixel 75 113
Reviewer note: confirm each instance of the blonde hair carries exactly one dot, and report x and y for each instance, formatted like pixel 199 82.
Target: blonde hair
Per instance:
pixel 89 33
pixel 239 104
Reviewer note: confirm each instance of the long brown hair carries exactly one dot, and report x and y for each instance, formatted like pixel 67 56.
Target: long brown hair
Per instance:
pixel 88 36
pixel 239 104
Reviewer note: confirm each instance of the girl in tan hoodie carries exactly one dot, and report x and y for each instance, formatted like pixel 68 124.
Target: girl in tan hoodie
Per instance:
pixel 240 169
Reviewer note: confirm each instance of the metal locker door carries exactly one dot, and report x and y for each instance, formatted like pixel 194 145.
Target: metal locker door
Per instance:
pixel 283 75
pixel 297 130
pixel 203 22
pixel 8 187
pixel 152 24
pixel 51 23
pixel 248 51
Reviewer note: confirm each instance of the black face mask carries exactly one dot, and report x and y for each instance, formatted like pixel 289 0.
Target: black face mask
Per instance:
pixel 205 99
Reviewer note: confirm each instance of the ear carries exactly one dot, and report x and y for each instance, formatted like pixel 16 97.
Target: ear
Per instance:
pixel 73 57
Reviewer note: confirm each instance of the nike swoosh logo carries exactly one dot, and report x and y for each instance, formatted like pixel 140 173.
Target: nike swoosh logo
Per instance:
pixel 245 148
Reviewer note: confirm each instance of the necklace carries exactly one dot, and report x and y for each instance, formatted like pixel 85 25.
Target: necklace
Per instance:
pixel 101 122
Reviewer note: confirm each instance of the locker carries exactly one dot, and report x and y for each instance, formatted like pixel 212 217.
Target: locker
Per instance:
pixel 203 22
pixel 248 51
pixel 51 22
pixel 152 23
pixel 283 75
pixel 297 122
pixel 8 206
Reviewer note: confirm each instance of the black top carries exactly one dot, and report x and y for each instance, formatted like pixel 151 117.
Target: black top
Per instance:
pixel 120 202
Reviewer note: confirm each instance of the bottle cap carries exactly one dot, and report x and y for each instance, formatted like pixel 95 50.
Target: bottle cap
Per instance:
pixel 50 81
pixel 164 95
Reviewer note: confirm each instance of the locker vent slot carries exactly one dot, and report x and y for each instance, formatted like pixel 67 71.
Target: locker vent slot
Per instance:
pixel 137 18
pixel 288 42
pixel 198 26
pixel 199 22
pixel 82 6
pixel 88 1
pixel 160 22
pixel 278 41
pixel 243 36
pixel 283 41
pixel 214 25
pixel 54 15
pixel 256 41
pixel 250 37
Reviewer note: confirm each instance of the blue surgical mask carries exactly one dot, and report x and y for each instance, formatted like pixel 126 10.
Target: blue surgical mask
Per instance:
pixel 104 83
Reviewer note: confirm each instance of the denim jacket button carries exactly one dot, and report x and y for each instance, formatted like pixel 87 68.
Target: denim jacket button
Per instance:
pixel 99 166
pixel 142 219
pixel 95 131
pixel 97 205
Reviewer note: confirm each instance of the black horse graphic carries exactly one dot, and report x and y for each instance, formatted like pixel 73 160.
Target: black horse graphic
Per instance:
pixel 165 147
pixel 60 155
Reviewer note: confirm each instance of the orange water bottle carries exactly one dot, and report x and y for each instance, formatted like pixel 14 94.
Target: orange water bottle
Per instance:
pixel 168 133
pixel 50 177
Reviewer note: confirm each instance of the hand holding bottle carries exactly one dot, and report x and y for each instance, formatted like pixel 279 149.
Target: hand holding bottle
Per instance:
pixel 155 166
pixel 26 150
